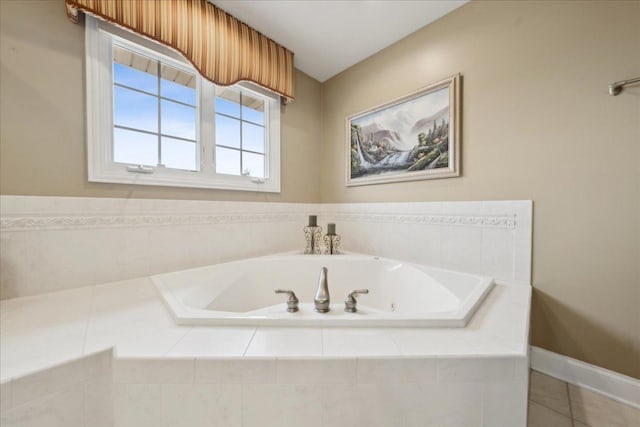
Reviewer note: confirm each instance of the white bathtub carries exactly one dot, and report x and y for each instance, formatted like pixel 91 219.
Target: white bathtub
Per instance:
pixel 400 294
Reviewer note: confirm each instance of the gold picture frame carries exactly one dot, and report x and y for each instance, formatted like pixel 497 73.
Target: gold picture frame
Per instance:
pixel 414 137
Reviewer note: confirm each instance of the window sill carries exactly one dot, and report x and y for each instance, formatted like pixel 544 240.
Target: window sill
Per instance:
pixel 235 183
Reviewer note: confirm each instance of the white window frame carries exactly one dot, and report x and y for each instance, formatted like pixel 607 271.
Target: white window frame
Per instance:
pixel 99 37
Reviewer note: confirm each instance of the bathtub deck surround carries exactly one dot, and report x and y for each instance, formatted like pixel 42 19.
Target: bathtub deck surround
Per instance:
pixel 78 392
pixel 262 375
pixel 393 376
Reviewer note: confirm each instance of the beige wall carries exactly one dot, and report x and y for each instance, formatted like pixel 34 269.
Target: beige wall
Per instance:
pixel 42 79
pixel 537 124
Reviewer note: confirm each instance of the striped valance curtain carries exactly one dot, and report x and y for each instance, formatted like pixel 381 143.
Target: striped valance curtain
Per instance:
pixel 223 49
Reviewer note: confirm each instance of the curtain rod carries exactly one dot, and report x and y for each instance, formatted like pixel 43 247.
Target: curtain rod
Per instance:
pixel 616 88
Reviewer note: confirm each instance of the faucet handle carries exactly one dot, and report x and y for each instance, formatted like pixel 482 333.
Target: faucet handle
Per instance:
pixel 350 303
pixel 292 301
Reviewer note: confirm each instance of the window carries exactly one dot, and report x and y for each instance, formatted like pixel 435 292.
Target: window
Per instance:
pixel 240 133
pixel 154 111
pixel 153 120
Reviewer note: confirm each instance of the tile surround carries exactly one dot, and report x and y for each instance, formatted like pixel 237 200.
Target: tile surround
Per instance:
pixel 98 405
pixel 297 363
pixel 481 369
pixel 286 405
pixel 235 371
pixel 397 370
pixel 343 342
pixel 154 344
pixel 75 393
pixel 210 342
pixel 137 405
pixel 397 391
pixel 143 390
pixel 283 342
pixel 201 405
pixel 385 392
pixel 6 400
pixel 311 371
pixel 498 328
pixel 494 410
pixel 54 243
pixel 327 377
pixel 63 409
pixel 47 381
pixel 157 371
pixel 340 405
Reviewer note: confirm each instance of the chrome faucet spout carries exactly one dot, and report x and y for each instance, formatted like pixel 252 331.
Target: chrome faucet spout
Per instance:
pixel 322 299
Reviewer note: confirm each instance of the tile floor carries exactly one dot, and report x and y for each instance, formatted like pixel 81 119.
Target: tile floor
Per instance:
pixel 554 403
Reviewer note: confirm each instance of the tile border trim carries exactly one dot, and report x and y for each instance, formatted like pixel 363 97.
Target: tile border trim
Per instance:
pixel 27 223
pixel 496 221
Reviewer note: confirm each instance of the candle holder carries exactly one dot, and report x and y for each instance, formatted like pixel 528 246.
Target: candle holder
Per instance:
pixel 331 243
pixel 312 235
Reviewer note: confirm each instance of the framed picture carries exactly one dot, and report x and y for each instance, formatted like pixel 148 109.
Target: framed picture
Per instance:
pixel 410 138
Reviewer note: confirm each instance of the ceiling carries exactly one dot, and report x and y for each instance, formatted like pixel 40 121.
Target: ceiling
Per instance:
pixel 328 37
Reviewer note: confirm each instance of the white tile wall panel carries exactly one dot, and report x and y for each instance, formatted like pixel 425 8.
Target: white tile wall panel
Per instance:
pixel 54 243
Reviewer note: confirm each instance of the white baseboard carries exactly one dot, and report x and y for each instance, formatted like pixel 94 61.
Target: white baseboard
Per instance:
pixel 616 386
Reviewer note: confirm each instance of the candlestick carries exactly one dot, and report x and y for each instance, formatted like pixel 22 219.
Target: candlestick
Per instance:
pixel 312 236
pixel 331 243
pixel 331 229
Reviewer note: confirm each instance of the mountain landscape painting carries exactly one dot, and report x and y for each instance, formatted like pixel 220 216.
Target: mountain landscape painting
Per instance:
pixel 408 139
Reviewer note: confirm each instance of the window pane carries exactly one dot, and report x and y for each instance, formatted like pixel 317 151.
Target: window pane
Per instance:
pixel 252 137
pixel 134 70
pixel 135 110
pixel 178 120
pixel 227 131
pixel 253 163
pixel 252 109
pixel 135 147
pixel 179 154
pixel 178 85
pixel 227 102
pixel 227 161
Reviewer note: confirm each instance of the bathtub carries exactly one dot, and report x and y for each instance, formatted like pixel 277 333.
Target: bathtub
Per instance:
pixel 400 294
